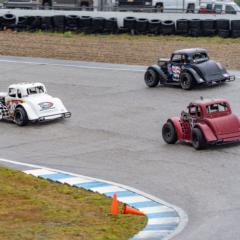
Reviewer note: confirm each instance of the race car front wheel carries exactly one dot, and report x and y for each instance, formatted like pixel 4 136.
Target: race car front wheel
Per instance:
pixel 151 78
pixel 187 81
pixel 21 118
pixel 169 133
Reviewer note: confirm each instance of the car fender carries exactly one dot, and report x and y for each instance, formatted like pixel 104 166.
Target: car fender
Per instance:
pixel 58 102
pixel 193 72
pixel 162 75
pixel 177 125
pixel 207 132
pixel 30 113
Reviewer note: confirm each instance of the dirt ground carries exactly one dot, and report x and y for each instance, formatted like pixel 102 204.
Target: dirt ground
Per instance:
pixel 126 49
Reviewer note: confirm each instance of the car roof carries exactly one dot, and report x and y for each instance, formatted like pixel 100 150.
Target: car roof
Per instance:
pixel 190 51
pixel 25 85
pixel 207 101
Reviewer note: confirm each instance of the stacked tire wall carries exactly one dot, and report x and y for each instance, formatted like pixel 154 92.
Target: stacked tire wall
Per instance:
pixel 87 24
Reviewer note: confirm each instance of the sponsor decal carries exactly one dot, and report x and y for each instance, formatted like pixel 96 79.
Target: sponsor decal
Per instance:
pixel 174 71
pixel 45 105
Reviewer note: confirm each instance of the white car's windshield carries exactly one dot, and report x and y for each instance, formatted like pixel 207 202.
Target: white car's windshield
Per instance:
pixel 35 90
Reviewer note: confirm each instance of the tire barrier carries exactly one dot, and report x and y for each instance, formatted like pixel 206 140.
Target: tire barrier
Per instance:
pixel 168 27
pixel 60 23
pixel 98 24
pixel 85 24
pixel 235 28
pixel 111 25
pixel 141 26
pixel 182 26
pixel 8 21
pixel 72 23
pixel 22 24
pixel 47 24
pixel 223 27
pixel 155 26
pixel 129 23
pixel 208 27
pixel 194 28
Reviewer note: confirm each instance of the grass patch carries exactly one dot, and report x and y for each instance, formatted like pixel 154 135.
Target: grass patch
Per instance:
pixel 68 34
pixel 32 208
pixel 129 37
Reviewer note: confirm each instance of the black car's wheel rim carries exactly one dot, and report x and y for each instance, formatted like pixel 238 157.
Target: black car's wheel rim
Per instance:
pixel 149 78
pixel 185 82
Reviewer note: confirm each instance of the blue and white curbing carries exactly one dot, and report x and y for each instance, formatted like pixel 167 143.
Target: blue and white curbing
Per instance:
pixel 164 220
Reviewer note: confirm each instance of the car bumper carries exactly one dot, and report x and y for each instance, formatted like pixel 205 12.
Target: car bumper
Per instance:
pixel 229 78
pixel 55 116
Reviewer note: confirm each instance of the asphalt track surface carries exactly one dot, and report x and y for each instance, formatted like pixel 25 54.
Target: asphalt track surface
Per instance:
pixel 115 134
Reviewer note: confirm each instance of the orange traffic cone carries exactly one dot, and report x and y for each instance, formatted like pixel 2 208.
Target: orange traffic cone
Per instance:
pixel 129 210
pixel 114 207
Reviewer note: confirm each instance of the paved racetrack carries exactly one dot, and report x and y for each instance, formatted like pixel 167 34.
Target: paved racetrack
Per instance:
pixel 115 134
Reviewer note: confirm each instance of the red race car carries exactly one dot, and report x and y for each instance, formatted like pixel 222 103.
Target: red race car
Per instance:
pixel 207 122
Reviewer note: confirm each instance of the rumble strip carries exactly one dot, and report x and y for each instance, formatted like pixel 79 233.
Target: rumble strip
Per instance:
pixel 164 220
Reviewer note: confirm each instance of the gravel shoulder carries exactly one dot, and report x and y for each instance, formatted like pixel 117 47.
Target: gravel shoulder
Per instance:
pixel 125 49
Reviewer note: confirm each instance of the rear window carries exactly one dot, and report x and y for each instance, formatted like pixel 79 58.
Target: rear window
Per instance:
pixel 200 57
pixel 35 90
pixel 217 107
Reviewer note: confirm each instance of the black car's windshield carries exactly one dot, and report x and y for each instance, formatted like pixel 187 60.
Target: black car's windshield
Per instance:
pixel 199 57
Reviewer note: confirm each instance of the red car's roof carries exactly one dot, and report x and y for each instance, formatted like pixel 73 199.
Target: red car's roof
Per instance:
pixel 205 102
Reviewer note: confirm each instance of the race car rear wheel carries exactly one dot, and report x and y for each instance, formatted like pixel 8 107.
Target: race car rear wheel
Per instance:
pixel 187 81
pixel 151 78
pixel 20 117
pixel 169 133
pixel 198 140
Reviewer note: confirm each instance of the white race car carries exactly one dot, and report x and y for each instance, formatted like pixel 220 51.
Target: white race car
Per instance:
pixel 29 102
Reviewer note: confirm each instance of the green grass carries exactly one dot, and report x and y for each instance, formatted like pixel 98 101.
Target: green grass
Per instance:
pixel 32 208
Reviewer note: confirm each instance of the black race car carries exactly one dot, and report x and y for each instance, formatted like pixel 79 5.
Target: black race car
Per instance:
pixel 187 68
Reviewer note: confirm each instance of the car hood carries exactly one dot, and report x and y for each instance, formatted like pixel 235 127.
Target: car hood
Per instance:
pixel 210 70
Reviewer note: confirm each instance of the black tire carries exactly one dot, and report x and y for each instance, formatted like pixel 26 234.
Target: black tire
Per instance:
pixel 154 26
pixel 198 139
pixel 235 25
pixel 222 24
pixel 141 25
pixel 59 23
pixel 169 133
pixel 168 27
pixel 223 33
pixel 71 23
pixel 111 25
pixel 46 23
pixel 20 117
pixel 129 23
pixel 182 26
pixel 22 23
pixel 195 27
pixel 151 78
pixel 187 81
pixel 235 33
pixel 98 24
pixel 9 21
pixel 85 24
